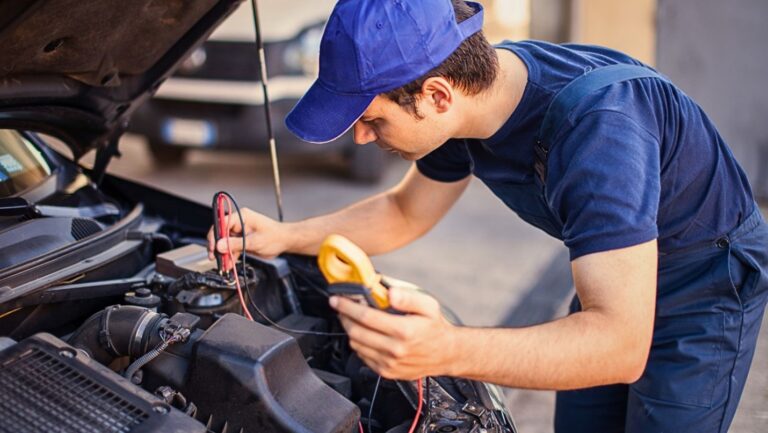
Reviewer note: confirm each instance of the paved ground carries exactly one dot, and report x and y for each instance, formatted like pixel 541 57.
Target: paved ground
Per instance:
pixel 482 261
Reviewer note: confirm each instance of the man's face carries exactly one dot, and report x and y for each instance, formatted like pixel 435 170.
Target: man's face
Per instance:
pixel 396 130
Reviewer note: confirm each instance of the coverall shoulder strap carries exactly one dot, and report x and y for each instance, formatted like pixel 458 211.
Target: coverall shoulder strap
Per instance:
pixel 570 95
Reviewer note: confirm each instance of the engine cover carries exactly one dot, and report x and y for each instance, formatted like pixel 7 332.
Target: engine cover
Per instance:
pixel 259 378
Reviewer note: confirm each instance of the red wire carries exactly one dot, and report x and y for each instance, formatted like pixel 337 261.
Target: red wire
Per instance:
pixel 229 254
pixel 418 409
pixel 360 425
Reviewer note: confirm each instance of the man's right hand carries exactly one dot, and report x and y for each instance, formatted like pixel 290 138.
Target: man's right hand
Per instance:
pixel 264 237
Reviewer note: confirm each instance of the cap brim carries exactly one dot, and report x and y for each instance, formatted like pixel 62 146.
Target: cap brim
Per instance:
pixel 321 115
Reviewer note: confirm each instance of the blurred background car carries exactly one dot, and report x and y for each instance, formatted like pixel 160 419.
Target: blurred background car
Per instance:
pixel 215 101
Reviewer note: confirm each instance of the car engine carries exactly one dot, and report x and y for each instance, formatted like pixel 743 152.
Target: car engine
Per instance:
pixel 175 353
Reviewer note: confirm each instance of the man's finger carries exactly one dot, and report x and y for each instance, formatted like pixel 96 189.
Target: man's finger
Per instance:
pixel 234 227
pixel 234 224
pixel 233 245
pixel 370 357
pixel 387 368
pixel 211 243
pixel 367 337
pixel 411 301
pixel 372 318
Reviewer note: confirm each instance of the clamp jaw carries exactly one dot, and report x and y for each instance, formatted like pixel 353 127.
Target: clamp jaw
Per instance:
pixel 350 272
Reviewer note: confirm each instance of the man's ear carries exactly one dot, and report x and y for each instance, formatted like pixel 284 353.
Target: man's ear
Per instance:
pixel 439 93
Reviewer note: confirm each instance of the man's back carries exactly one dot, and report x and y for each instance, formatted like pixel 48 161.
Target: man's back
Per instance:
pixel 634 161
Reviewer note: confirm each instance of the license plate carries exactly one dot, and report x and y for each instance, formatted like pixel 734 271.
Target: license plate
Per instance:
pixel 189 132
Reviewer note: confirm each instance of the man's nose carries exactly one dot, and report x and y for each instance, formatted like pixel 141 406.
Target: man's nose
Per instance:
pixel 363 134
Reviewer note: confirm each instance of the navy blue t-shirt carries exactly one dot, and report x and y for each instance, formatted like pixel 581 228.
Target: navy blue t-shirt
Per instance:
pixel 634 161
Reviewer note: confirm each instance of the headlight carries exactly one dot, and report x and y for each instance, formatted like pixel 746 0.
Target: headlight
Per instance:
pixel 194 62
pixel 302 54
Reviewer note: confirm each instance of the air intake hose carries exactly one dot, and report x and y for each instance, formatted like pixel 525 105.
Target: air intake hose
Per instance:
pixel 117 331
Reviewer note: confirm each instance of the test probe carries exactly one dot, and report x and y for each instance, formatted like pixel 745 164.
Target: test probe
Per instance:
pixel 221 230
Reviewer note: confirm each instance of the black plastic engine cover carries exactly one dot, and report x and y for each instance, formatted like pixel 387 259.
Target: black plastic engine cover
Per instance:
pixel 257 376
pixel 49 387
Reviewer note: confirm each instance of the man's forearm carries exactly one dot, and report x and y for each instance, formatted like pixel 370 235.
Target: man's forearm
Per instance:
pixel 376 224
pixel 582 350
pixel 608 342
pixel 385 221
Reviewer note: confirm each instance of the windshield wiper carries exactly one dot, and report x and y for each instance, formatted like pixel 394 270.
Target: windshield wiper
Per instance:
pixel 19 206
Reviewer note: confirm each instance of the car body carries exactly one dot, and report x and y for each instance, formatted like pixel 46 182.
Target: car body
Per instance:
pixel 214 100
pixel 112 318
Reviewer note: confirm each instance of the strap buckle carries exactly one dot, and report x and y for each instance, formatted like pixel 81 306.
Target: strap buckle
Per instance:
pixel 540 160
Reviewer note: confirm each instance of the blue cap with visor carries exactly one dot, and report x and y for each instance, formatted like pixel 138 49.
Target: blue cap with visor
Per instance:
pixel 371 47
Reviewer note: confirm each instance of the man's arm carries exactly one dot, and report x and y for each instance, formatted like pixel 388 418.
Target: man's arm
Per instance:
pixel 607 342
pixel 385 221
pixel 377 224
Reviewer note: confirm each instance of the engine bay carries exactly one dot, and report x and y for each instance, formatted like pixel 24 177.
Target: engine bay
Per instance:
pixel 175 335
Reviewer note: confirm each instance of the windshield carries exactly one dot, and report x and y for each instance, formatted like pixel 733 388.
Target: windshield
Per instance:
pixel 22 166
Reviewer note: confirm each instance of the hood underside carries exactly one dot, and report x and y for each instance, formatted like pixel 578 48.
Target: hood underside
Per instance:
pixel 90 62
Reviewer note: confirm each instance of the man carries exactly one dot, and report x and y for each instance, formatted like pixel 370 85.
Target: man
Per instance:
pixel 667 245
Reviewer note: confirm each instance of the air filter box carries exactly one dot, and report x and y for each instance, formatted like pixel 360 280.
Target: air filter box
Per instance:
pixel 49 387
pixel 258 378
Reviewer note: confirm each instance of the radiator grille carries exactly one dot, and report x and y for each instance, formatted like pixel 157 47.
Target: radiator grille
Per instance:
pixel 40 393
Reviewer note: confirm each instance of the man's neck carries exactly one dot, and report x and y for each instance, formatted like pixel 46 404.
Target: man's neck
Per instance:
pixel 487 112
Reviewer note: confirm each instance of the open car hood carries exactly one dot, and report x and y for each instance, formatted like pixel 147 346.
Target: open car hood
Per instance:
pixel 77 69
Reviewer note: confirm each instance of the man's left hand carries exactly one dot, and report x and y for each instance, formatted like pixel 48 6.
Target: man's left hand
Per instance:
pixel 404 347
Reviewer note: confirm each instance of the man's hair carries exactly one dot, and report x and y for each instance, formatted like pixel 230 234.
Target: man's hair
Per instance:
pixel 472 67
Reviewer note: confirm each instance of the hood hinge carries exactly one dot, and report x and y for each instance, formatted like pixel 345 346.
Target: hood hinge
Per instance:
pixel 105 153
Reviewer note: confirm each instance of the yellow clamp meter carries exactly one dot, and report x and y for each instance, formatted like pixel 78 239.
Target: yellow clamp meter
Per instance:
pixel 350 272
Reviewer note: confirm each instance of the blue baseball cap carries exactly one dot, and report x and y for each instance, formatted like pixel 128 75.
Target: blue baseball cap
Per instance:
pixel 371 47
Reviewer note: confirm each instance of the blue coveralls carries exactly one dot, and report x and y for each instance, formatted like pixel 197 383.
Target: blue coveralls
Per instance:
pixel 710 303
pixel 634 160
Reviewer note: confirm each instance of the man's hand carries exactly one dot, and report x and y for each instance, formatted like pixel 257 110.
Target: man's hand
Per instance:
pixel 399 347
pixel 264 236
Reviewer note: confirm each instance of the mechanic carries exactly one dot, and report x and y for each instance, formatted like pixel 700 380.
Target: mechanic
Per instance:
pixel 667 246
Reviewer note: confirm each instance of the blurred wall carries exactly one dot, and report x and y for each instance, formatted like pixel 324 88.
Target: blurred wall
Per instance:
pixel 551 20
pixel 717 52
pixel 628 26
pixel 506 19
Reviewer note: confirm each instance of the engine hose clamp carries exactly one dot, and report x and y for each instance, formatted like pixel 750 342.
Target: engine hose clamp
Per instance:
pixel 105 338
pixel 135 348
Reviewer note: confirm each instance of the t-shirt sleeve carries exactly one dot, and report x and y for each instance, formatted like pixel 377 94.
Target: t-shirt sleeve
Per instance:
pixel 448 163
pixel 603 183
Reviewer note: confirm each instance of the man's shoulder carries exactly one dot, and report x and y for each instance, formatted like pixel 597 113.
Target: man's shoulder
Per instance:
pixel 568 49
pixel 552 66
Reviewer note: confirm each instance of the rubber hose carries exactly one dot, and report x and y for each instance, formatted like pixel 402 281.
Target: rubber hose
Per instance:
pixel 119 330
